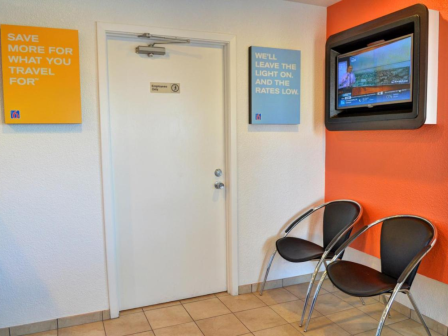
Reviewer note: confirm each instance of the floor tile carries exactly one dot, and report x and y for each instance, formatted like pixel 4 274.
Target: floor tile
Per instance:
pixel 198 298
pixel 207 308
pixel 284 330
pixel 131 311
pixel 328 286
pixel 321 326
pixel 354 321
pixel 292 311
pixel 353 300
pixel 161 305
pixel 222 294
pixel 376 311
pixel 128 324
pixel 45 333
pixel 411 328
pixel 276 296
pixel 242 302
pixel 188 329
pixel 386 332
pixel 90 329
pixel 146 333
pixel 166 317
pixel 301 289
pixel 260 318
pixel 330 304
pixel 225 325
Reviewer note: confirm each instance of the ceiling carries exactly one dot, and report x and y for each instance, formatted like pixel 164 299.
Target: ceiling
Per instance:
pixel 324 3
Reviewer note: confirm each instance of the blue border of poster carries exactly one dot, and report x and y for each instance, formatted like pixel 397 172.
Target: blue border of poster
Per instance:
pixel 274 87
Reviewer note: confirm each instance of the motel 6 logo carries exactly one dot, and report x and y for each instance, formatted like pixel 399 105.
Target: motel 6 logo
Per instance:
pixel 15 114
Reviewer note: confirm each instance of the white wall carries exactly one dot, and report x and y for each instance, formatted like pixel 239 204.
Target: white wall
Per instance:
pixel 52 260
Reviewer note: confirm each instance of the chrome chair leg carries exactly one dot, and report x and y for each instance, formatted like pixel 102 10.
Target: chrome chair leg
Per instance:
pixel 316 293
pixel 385 303
pixel 310 287
pixel 387 309
pixel 418 313
pixel 267 272
pixel 362 301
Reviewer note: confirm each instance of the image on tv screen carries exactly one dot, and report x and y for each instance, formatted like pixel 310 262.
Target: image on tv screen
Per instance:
pixel 377 75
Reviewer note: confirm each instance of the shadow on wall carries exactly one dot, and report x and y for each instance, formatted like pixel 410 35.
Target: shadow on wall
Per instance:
pixel 318 108
pixel 273 128
pixel 314 230
pixel 40 128
pixel 13 285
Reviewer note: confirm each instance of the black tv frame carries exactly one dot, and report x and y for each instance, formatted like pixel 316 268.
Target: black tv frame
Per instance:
pixel 409 115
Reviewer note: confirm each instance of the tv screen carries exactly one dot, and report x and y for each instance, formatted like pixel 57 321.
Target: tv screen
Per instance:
pixel 376 75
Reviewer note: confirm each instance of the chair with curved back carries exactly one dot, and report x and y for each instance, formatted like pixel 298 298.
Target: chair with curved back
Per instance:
pixel 405 240
pixel 339 218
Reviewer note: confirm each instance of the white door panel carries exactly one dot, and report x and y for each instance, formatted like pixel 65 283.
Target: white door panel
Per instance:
pixel 170 220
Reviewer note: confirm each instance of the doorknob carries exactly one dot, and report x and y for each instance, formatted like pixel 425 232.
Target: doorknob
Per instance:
pixel 219 185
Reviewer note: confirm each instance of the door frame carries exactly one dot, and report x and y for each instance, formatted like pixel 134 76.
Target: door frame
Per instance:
pixel 105 30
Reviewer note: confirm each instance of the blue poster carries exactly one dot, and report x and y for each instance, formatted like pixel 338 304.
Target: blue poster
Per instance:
pixel 274 86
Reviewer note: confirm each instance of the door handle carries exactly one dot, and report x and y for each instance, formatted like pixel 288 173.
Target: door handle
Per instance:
pixel 219 185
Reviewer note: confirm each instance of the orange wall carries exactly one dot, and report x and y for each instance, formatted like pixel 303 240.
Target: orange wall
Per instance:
pixel 394 172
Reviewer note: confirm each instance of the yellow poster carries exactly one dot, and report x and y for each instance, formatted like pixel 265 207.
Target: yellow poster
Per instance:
pixel 41 82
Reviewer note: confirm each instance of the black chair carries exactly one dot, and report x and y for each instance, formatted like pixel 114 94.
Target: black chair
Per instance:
pixel 405 240
pixel 339 218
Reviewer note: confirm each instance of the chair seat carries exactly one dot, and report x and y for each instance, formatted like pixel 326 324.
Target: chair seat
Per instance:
pixel 299 250
pixel 359 280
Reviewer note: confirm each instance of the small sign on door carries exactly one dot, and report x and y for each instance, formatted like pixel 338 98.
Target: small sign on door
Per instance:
pixel 165 87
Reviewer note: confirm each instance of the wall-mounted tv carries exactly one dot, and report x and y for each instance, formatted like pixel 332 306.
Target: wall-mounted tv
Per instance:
pixel 376 75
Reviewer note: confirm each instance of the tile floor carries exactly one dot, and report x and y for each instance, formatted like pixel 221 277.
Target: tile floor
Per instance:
pixel 276 313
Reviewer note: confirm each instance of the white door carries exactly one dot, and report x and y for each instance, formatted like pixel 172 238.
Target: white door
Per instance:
pixel 169 217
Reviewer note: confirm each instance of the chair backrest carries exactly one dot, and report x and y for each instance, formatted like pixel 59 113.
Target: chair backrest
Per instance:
pixel 338 216
pixel 402 239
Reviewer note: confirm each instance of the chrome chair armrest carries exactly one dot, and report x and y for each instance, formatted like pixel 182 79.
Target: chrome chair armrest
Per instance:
pixel 418 258
pixel 414 262
pixel 367 227
pixel 357 234
pixel 343 232
pixel 299 219
pixel 349 241
pixel 311 211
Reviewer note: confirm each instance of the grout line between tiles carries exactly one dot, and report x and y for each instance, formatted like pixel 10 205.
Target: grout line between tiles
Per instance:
pixel 146 317
pixel 197 325
pixel 265 305
pixel 264 328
